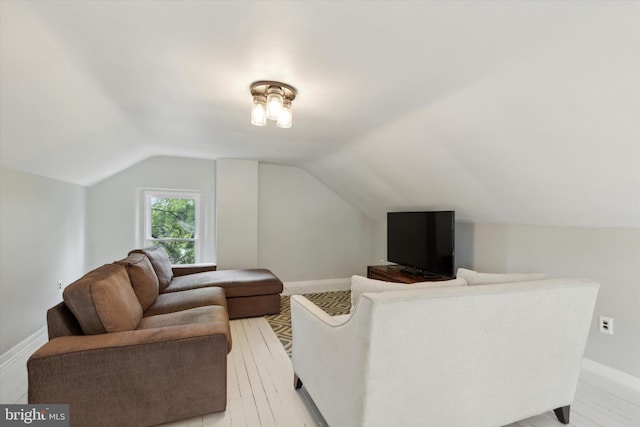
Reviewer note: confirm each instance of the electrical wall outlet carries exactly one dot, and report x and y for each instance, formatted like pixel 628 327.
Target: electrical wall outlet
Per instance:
pixel 606 325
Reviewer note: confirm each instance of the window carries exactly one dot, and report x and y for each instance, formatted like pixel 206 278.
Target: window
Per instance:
pixel 172 220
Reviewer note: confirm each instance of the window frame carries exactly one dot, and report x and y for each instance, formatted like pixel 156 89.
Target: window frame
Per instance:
pixel 146 226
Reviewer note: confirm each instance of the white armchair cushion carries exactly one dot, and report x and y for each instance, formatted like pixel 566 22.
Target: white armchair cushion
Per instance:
pixel 360 285
pixel 474 278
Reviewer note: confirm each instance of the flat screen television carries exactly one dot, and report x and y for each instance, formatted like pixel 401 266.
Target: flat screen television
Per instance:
pixel 422 241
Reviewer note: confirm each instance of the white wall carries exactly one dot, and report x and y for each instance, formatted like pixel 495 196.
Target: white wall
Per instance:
pixel 113 205
pixel 277 217
pixel 271 216
pixel 237 213
pixel 42 235
pixel 306 231
pixel 610 256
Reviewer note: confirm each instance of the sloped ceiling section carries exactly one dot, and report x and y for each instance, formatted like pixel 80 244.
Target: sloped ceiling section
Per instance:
pixel 517 112
pixel 551 136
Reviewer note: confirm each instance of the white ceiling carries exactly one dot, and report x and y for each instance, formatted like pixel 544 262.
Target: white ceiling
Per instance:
pixel 516 112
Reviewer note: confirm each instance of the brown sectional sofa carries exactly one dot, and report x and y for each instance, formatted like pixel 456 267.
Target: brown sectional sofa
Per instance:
pixel 140 343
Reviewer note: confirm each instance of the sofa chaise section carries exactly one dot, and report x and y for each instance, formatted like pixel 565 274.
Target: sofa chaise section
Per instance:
pixel 252 292
pixel 249 293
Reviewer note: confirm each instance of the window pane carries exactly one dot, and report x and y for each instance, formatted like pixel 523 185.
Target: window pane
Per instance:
pixel 173 218
pixel 180 252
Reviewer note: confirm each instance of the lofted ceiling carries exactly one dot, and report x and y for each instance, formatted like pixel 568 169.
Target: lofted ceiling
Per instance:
pixel 511 112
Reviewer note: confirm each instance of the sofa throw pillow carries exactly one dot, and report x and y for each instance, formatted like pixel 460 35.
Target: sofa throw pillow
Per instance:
pixel 104 301
pixel 474 278
pixel 160 262
pixel 360 285
pixel 143 278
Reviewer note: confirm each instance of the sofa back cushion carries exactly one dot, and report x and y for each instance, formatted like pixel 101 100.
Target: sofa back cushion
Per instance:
pixel 360 285
pixel 160 262
pixel 474 278
pixel 104 301
pixel 143 278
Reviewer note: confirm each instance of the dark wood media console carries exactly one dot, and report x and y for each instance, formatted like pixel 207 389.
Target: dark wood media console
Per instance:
pixel 394 273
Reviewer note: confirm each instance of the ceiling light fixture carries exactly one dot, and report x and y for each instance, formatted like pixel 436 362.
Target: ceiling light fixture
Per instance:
pixel 272 100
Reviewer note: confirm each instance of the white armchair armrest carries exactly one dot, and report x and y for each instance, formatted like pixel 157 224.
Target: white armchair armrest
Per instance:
pixel 329 356
pixel 316 311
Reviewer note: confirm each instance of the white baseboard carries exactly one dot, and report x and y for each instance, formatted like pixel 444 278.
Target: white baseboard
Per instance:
pixel 13 366
pixel 340 281
pixel 613 375
pixel 323 285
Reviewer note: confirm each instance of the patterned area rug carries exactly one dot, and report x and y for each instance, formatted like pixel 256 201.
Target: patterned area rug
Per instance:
pixel 333 303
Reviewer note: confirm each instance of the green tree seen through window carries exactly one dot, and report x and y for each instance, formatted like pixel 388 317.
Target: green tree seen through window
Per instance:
pixel 173 226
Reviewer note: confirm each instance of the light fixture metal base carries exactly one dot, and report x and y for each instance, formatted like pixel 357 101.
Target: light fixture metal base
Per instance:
pixel 259 88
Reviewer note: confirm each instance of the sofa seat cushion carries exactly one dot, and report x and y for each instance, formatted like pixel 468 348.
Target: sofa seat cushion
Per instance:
pixel 361 285
pixel 236 283
pixel 160 262
pixel 143 278
pixel 104 301
pixel 184 300
pixel 474 278
pixel 208 314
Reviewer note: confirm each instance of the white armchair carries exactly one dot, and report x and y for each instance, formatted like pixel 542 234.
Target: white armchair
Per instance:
pixel 455 356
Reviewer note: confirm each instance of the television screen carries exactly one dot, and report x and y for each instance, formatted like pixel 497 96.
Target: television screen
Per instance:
pixel 422 240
